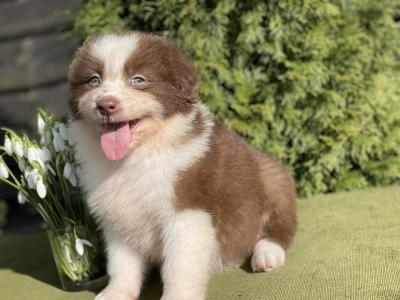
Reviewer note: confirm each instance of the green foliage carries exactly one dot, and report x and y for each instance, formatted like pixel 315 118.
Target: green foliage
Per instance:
pixel 100 16
pixel 314 82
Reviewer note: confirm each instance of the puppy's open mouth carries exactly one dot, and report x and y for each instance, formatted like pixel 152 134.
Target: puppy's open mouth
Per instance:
pixel 116 138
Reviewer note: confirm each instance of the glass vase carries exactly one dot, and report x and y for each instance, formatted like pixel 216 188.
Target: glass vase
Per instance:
pixel 79 258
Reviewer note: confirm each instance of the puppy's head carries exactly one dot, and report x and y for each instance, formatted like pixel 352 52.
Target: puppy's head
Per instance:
pixel 127 85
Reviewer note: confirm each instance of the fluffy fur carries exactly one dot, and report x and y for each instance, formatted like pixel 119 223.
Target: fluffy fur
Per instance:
pixel 190 195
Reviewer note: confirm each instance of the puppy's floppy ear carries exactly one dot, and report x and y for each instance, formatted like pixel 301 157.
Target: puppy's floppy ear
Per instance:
pixel 185 76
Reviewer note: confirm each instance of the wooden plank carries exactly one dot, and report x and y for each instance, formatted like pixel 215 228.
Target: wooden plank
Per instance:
pixel 22 18
pixel 18 110
pixel 35 61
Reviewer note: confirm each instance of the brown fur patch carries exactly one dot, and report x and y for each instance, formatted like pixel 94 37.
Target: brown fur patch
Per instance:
pixel 83 66
pixel 249 195
pixel 168 75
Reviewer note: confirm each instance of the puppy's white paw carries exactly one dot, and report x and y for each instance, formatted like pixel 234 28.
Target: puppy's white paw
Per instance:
pixel 267 256
pixel 112 292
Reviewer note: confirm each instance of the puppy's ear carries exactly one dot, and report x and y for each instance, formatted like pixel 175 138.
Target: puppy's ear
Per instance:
pixel 185 76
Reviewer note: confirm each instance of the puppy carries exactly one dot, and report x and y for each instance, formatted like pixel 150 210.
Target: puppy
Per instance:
pixel 168 185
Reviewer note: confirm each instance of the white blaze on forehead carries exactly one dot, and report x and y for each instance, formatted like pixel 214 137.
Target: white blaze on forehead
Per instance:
pixel 114 50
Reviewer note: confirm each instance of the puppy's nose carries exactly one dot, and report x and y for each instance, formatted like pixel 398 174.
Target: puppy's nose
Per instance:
pixel 107 106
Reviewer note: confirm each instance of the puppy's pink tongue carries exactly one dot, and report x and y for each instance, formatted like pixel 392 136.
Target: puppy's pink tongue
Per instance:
pixel 115 140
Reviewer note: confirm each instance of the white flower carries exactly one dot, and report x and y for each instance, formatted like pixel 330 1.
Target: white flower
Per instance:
pixel 45 154
pixel 67 170
pixel 30 176
pixel 34 154
pixel 79 246
pixel 43 140
pixel 40 187
pixel 54 129
pixel 3 170
pixel 40 124
pixel 21 197
pixel 73 180
pixel 18 148
pixel 64 132
pixel 31 181
pixel 58 143
pixel 21 165
pixel 8 145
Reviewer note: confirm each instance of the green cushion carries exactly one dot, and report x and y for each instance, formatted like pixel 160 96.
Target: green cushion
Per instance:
pixel 347 247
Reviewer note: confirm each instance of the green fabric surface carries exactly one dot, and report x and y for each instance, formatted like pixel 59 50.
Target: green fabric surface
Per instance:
pixel 347 247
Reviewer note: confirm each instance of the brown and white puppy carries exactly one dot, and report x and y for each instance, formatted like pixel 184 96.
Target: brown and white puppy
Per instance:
pixel 167 184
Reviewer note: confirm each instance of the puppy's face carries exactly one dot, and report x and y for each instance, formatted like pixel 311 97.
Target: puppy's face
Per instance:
pixel 128 86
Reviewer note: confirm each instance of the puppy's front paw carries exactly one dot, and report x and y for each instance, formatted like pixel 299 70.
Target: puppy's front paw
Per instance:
pixel 112 292
pixel 267 256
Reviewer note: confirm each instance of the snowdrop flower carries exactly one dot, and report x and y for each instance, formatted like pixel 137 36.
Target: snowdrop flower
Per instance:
pixel 30 176
pixel 73 180
pixel 43 139
pixel 21 198
pixel 58 143
pixel 34 154
pixel 64 131
pixel 40 187
pixel 18 148
pixel 79 246
pixel 8 145
pixel 45 154
pixel 40 124
pixel 21 165
pixel 3 170
pixel 67 170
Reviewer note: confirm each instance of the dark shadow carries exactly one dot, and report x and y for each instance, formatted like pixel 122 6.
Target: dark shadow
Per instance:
pixel 246 266
pixel 30 255
pixel 152 288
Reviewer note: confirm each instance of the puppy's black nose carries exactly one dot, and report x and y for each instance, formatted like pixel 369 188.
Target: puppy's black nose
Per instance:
pixel 108 106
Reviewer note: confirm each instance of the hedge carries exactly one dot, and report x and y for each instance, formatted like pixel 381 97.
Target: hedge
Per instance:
pixel 316 83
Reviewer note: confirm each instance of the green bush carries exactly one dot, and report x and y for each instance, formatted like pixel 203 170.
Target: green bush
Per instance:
pixel 315 83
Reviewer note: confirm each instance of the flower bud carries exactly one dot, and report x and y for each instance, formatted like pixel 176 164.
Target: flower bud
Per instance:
pixel 58 143
pixel 21 165
pixel 18 148
pixel 21 197
pixel 40 124
pixel 8 145
pixel 3 170
pixel 73 180
pixel 64 132
pixel 79 246
pixel 80 249
pixel 67 170
pixel 40 187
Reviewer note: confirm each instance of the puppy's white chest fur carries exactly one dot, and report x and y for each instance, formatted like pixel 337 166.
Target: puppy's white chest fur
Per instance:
pixel 134 198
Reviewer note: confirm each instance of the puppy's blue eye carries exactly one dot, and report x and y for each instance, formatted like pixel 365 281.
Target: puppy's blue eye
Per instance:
pixel 95 80
pixel 137 79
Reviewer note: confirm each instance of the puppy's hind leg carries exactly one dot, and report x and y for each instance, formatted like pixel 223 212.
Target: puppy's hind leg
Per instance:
pixel 269 252
pixel 267 256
